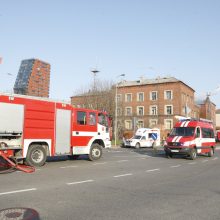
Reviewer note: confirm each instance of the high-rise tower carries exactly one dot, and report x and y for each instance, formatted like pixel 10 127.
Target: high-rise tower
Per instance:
pixel 33 78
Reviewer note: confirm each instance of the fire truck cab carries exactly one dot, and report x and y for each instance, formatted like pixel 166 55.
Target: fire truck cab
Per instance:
pixel 32 128
pixel 190 137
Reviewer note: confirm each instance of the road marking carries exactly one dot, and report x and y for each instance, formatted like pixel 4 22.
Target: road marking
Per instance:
pixel 175 166
pixel 152 170
pixel 68 167
pixel 99 163
pixel 205 161
pixel 85 181
pixel 116 151
pixel 216 158
pixel 18 191
pixel 144 157
pixel 126 174
pixel 121 161
pixel 192 163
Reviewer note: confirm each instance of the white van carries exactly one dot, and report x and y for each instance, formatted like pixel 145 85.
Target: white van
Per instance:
pixel 144 137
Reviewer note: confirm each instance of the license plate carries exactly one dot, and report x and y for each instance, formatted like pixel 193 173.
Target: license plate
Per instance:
pixel 174 150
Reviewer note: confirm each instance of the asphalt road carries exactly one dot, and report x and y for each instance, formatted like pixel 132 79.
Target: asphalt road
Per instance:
pixel 124 184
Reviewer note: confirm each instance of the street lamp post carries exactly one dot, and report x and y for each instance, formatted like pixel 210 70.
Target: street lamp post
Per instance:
pixel 94 71
pixel 116 107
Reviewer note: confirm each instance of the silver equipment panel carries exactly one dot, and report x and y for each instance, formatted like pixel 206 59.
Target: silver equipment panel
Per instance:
pixel 63 131
pixel 11 118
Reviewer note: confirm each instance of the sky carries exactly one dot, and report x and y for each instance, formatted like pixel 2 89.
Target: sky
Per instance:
pixel 138 38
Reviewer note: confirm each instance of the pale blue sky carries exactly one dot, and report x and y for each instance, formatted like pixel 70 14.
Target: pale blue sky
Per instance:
pixel 147 38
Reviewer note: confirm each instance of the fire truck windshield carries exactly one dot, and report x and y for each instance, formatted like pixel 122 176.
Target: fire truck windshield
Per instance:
pixel 183 131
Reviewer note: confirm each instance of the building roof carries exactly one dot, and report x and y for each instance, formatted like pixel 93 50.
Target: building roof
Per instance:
pixel 200 101
pixel 158 80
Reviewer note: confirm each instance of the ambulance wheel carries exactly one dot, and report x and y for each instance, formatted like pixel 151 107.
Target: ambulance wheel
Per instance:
pixel 137 146
pixel 36 156
pixel 193 154
pixel 211 153
pixel 95 152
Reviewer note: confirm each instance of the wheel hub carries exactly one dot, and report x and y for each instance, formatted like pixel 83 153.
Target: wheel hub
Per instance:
pixel 37 156
pixel 96 152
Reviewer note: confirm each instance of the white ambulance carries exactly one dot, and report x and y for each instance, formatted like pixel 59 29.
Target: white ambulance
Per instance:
pixel 144 137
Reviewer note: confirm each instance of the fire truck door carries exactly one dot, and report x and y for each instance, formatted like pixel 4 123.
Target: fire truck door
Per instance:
pixel 198 140
pixel 63 131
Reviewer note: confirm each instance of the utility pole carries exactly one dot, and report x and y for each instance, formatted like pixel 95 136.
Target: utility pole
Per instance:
pixel 116 108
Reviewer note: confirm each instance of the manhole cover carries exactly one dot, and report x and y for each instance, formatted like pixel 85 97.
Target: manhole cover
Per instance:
pixel 19 214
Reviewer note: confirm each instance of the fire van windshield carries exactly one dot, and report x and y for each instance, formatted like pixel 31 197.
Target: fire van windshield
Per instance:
pixel 137 137
pixel 183 131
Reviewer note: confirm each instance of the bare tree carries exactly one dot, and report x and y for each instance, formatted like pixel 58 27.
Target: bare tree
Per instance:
pixel 101 96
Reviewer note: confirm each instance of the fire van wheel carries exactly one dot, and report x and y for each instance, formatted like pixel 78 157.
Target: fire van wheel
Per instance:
pixel 193 154
pixel 36 156
pixel 211 152
pixel 169 155
pixel 95 152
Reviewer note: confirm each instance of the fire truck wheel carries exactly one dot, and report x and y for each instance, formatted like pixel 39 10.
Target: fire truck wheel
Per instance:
pixel 193 154
pixel 137 146
pixel 211 153
pixel 36 156
pixel 95 152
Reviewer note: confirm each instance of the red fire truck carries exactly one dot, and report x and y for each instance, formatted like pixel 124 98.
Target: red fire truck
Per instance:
pixel 191 137
pixel 32 128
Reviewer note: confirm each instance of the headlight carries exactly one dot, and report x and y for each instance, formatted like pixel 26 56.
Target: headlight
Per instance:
pixel 186 144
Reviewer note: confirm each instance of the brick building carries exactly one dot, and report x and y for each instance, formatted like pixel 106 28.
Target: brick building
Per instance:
pixel 207 110
pixel 217 119
pixel 154 103
pixel 33 78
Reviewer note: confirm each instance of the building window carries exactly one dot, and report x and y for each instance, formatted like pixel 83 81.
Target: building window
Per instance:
pixel 128 97
pixel 153 110
pixel 119 111
pixel 153 122
pixel 168 109
pixel 153 95
pixel 119 98
pixel 128 111
pixel 140 97
pixel 168 124
pixel 140 124
pixel 128 124
pixel 140 110
pixel 168 94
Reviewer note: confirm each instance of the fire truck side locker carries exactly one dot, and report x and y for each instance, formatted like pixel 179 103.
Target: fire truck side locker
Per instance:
pixel 63 131
pixel 11 124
